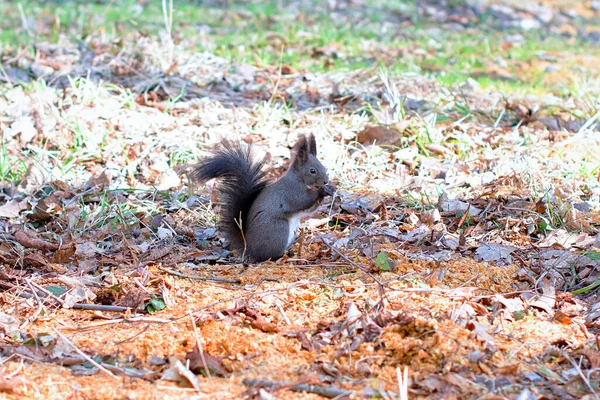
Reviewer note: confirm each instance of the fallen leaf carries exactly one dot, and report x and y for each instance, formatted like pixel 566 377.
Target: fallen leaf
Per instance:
pixel 179 373
pixel 30 239
pixel 13 208
pixel 214 364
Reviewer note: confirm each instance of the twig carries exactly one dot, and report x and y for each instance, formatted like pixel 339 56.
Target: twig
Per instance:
pixel 238 222
pixel 44 290
pixel 43 296
pixel 282 312
pixel 5 75
pixel 329 392
pixel 24 20
pixel 119 320
pixel 278 78
pixel 355 265
pixel 583 377
pixel 198 278
pixel 120 342
pixel 82 354
pixel 37 298
pixel 199 345
pixel 402 383
pixel 99 307
pixel 15 372
pixel 300 243
pixel 141 286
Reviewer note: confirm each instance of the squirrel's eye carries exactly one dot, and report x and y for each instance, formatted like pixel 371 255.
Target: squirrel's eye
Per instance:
pixel 313 171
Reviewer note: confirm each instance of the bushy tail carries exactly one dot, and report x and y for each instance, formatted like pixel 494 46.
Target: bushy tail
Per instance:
pixel 240 179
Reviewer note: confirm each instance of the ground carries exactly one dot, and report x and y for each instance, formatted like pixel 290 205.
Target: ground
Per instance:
pixel 459 257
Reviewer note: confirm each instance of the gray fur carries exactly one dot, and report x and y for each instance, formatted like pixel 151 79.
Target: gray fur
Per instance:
pixel 266 225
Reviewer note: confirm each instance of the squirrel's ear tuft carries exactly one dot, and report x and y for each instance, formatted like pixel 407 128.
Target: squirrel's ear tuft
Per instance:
pixel 301 151
pixel 312 144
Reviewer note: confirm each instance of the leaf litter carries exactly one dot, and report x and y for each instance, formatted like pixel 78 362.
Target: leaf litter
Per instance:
pixel 465 249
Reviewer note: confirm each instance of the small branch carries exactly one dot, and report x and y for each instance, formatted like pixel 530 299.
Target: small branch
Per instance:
pixel 198 278
pixel 329 392
pixel 582 375
pixel 349 261
pixel 238 222
pixel 282 312
pixel 82 354
pixel 43 295
pixel 45 291
pixel 99 307
pixel 199 346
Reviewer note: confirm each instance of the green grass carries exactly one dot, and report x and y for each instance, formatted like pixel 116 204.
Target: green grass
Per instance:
pixel 256 33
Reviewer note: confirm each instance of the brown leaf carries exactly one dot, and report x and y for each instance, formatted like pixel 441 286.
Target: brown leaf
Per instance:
pixel 64 254
pixel 186 231
pixel 305 343
pixel 98 181
pixel 287 70
pixel 157 252
pixel 8 384
pixel 510 369
pixel 593 356
pixel 30 239
pixel 213 364
pixel 437 149
pixel 562 318
pixel 12 209
pixel 481 331
pixel 256 320
pixel 548 298
pixel 37 260
pixel 379 135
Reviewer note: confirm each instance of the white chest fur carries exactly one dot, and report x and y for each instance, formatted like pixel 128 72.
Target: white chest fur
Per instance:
pixel 293 225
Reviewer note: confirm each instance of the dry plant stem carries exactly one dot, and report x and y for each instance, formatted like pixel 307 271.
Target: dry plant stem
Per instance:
pixel 198 278
pixel 99 307
pixel 120 342
pixel 39 302
pixel 282 312
pixel 199 345
pixel 141 286
pixel 48 293
pixel 402 383
pixel 329 392
pixel 15 372
pixel 5 75
pixel 238 222
pixel 582 375
pixel 278 79
pixel 300 243
pixel 355 265
pixel 88 358
pixel 80 306
pixel 119 320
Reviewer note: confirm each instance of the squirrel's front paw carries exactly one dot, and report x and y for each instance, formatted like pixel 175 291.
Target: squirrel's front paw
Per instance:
pixel 328 190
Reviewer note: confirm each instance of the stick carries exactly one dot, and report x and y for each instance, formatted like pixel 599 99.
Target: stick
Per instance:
pixel 48 293
pixel 355 265
pixel 88 358
pixel 581 374
pixel 199 345
pixel 198 278
pixel 238 222
pixel 329 392
pixel 99 307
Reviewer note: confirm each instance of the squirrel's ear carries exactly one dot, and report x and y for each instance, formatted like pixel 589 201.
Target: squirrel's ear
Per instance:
pixel 312 144
pixel 301 151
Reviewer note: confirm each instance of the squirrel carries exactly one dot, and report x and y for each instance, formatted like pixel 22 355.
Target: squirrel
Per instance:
pixel 260 219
